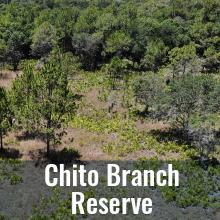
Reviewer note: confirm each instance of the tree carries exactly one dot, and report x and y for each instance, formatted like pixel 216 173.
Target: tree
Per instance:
pixel 212 61
pixel 148 91
pixel 44 39
pixel 154 56
pixel 118 43
pixel 4 115
pixel 183 60
pixel 188 96
pixel 2 52
pixel 48 101
pixel 117 69
pixel 213 102
pixel 14 50
pixel 21 96
pixel 16 25
pixel 88 48
pixel 204 140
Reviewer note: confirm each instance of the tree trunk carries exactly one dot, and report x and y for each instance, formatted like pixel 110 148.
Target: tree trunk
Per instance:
pixel 49 124
pixel 1 141
pixel 146 110
pixel 48 145
pixel 15 66
pixel 48 135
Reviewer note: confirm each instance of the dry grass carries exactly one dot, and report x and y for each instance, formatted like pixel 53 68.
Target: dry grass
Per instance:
pixel 7 77
pixel 151 126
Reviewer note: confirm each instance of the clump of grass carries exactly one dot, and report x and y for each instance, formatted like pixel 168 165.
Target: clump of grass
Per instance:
pixel 88 80
pixel 9 170
pixel 58 205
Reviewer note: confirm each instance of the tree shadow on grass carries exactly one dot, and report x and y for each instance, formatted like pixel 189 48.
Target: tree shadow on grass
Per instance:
pixel 10 153
pixel 177 136
pixel 30 136
pixel 174 135
pixel 65 156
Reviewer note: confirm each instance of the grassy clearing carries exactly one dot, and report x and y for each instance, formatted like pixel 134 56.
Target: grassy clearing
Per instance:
pixel 126 137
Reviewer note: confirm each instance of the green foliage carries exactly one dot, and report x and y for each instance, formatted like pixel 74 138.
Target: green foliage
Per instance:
pixel 16 23
pixel 96 31
pixel 4 115
pixel 54 207
pixel 202 192
pixel 183 60
pixel 44 40
pixel 148 90
pixel 117 70
pixel 14 50
pixel 187 96
pixel 154 56
pixel 46 101
pixel 2 51
pixel 58 206
pixel 88 81
pixel 118 43
pixel 2 217
pixel 212 61
pixel 125 38
pixel 126 137
pixel 9 171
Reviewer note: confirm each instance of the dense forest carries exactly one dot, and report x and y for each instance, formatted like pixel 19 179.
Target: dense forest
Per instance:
pixel 123 79
pixel 149 34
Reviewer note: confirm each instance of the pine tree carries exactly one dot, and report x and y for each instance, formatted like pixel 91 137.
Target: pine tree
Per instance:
pixel 47 100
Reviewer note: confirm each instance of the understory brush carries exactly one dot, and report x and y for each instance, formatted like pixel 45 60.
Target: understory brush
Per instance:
pixel 9 169
pixel 198 186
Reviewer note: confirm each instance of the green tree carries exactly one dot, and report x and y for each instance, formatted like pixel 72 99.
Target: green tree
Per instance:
pixel 154 56
pixel 117 70
pixel 118 43
pixel 14 50
pixel 21 96
pixel 63 22
pixel 2 52
pixel 188 96
pixel 47 100
pixel 88 48
pixel 148 91
pixel 183 59
pixel 44 39
pixel 212 59
pixel 16 25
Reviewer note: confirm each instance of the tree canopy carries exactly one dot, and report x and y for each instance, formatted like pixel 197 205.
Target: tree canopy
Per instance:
pixel 150 33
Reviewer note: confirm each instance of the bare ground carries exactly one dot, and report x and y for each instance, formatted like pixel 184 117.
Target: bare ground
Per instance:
pixel 6 77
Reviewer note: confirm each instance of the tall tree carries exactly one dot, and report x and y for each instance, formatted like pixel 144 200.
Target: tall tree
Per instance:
pixel 183 60
pixel 44 39
pixel 14 50
pixel 48 101
pixel 148 91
